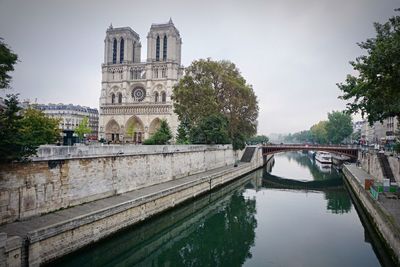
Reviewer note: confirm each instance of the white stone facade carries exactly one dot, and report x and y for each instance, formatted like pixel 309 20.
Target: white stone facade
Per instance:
pixel 71 116
pixel 137 95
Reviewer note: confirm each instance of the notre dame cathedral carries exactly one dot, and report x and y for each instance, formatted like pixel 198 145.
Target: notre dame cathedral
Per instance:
pixel 135 95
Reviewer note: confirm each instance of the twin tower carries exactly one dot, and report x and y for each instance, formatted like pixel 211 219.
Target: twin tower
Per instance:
pixel 135 95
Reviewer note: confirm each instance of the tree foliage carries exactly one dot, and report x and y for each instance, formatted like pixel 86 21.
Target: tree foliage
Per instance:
pixel 183 136
pixel 130 130
pixel 38 129
pixel 212 129
pixel 339 126
pixel 375 90
pixel 22 132
pixel 299 137
pixel 217 87
pixel 258 139
pixel 161 136
pixel 319 132
pixel 83 128
pixel 7 61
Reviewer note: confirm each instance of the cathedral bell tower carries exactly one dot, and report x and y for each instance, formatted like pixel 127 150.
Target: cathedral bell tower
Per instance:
pixel 164 43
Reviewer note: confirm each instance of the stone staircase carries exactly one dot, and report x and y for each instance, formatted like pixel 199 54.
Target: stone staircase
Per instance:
pixel 386 170
pixel 248 154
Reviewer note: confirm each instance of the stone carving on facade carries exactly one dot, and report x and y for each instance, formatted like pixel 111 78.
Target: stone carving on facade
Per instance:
pixel 122 98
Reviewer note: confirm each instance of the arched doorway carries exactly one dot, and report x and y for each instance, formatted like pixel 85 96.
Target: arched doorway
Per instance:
pixel 112 131
pixel 154 126
pixel 134 131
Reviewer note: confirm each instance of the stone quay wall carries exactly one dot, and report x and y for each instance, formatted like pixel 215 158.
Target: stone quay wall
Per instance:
pixel 46 243
pixel 62 177
pixel 383 221
pixel 370 163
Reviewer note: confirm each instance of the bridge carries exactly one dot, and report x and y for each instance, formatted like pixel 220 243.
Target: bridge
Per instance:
pixel 350 151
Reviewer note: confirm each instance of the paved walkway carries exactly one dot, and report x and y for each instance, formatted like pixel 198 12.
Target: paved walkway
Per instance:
pixel 390 201
pixel 23 227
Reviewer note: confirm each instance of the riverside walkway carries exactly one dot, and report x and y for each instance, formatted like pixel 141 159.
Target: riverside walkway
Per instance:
pixel 384 212
pixel 55 234
pixel 22 228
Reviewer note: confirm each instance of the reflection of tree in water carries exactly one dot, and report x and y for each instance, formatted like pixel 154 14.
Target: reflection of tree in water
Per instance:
pixel 338 201
pixel 224 239
pixel 305 161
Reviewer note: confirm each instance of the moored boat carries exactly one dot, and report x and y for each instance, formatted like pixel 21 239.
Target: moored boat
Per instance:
pixel 324 157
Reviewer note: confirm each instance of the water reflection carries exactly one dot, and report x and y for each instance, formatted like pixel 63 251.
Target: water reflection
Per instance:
pixel 214 230
pixel 250 222
pixel 328 181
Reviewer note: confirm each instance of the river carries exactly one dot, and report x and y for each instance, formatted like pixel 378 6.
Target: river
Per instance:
pixel 294 212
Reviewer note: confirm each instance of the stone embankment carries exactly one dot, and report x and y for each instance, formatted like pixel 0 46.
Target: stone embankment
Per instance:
pixel 62 177
pixel 384 213
pixel 40 239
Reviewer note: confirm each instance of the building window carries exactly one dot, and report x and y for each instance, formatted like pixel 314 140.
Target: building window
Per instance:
pixel 156 97
pixel 115 51
pixel 133 52
pixel 165 48
pixel 163 73
pixel 119 98
pixel 131 74
pixel 155 73
pixel 121 51
pixel 112 98
pixel 158 48
pixel 163 97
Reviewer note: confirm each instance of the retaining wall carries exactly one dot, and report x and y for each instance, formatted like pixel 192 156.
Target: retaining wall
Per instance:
pixel 55 180
pixel 383 221
pixel 55 240
pixel 370 163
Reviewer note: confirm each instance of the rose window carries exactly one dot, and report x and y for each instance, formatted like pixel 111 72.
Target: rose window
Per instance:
pixel 138 94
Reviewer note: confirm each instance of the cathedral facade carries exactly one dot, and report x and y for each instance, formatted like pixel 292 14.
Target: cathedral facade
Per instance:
pixel 135 95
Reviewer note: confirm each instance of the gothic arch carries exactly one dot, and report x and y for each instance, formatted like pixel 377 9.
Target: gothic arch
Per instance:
pixel 156 97
pixel 163 97
pixel 121 50
pixel 154 126
pixel 119 98
pixel 113 131
pixel 112 98
pixel 135 135
pixel 114 54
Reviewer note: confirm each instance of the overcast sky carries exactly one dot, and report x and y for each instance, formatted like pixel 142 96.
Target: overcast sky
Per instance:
pixel 293 52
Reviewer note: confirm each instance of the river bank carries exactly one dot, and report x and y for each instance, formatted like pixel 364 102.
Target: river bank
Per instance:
pixel 42 239
pixel 384 213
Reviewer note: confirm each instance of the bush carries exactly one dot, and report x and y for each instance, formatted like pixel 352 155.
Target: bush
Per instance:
pixel 161 137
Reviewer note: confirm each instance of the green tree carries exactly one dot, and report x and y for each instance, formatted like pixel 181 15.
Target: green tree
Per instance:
pixel 83 128
pixel 217 87
pixel 7 61
pixel 22 132
pixel 38 129
pixel 258 139
pixel 319 132
pixel 375 90
pixel 338 127
pixel 130 130
pixel 183 133
pixel 212 129
pixel 161 136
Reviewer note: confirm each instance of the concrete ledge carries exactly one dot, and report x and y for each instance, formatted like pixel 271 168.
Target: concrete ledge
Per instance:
pixel 382 220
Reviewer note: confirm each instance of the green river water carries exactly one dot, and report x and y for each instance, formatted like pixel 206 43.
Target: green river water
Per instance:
pixel 257 220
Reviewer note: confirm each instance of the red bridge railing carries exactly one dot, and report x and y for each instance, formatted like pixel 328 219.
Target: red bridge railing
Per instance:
pixel 347 150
